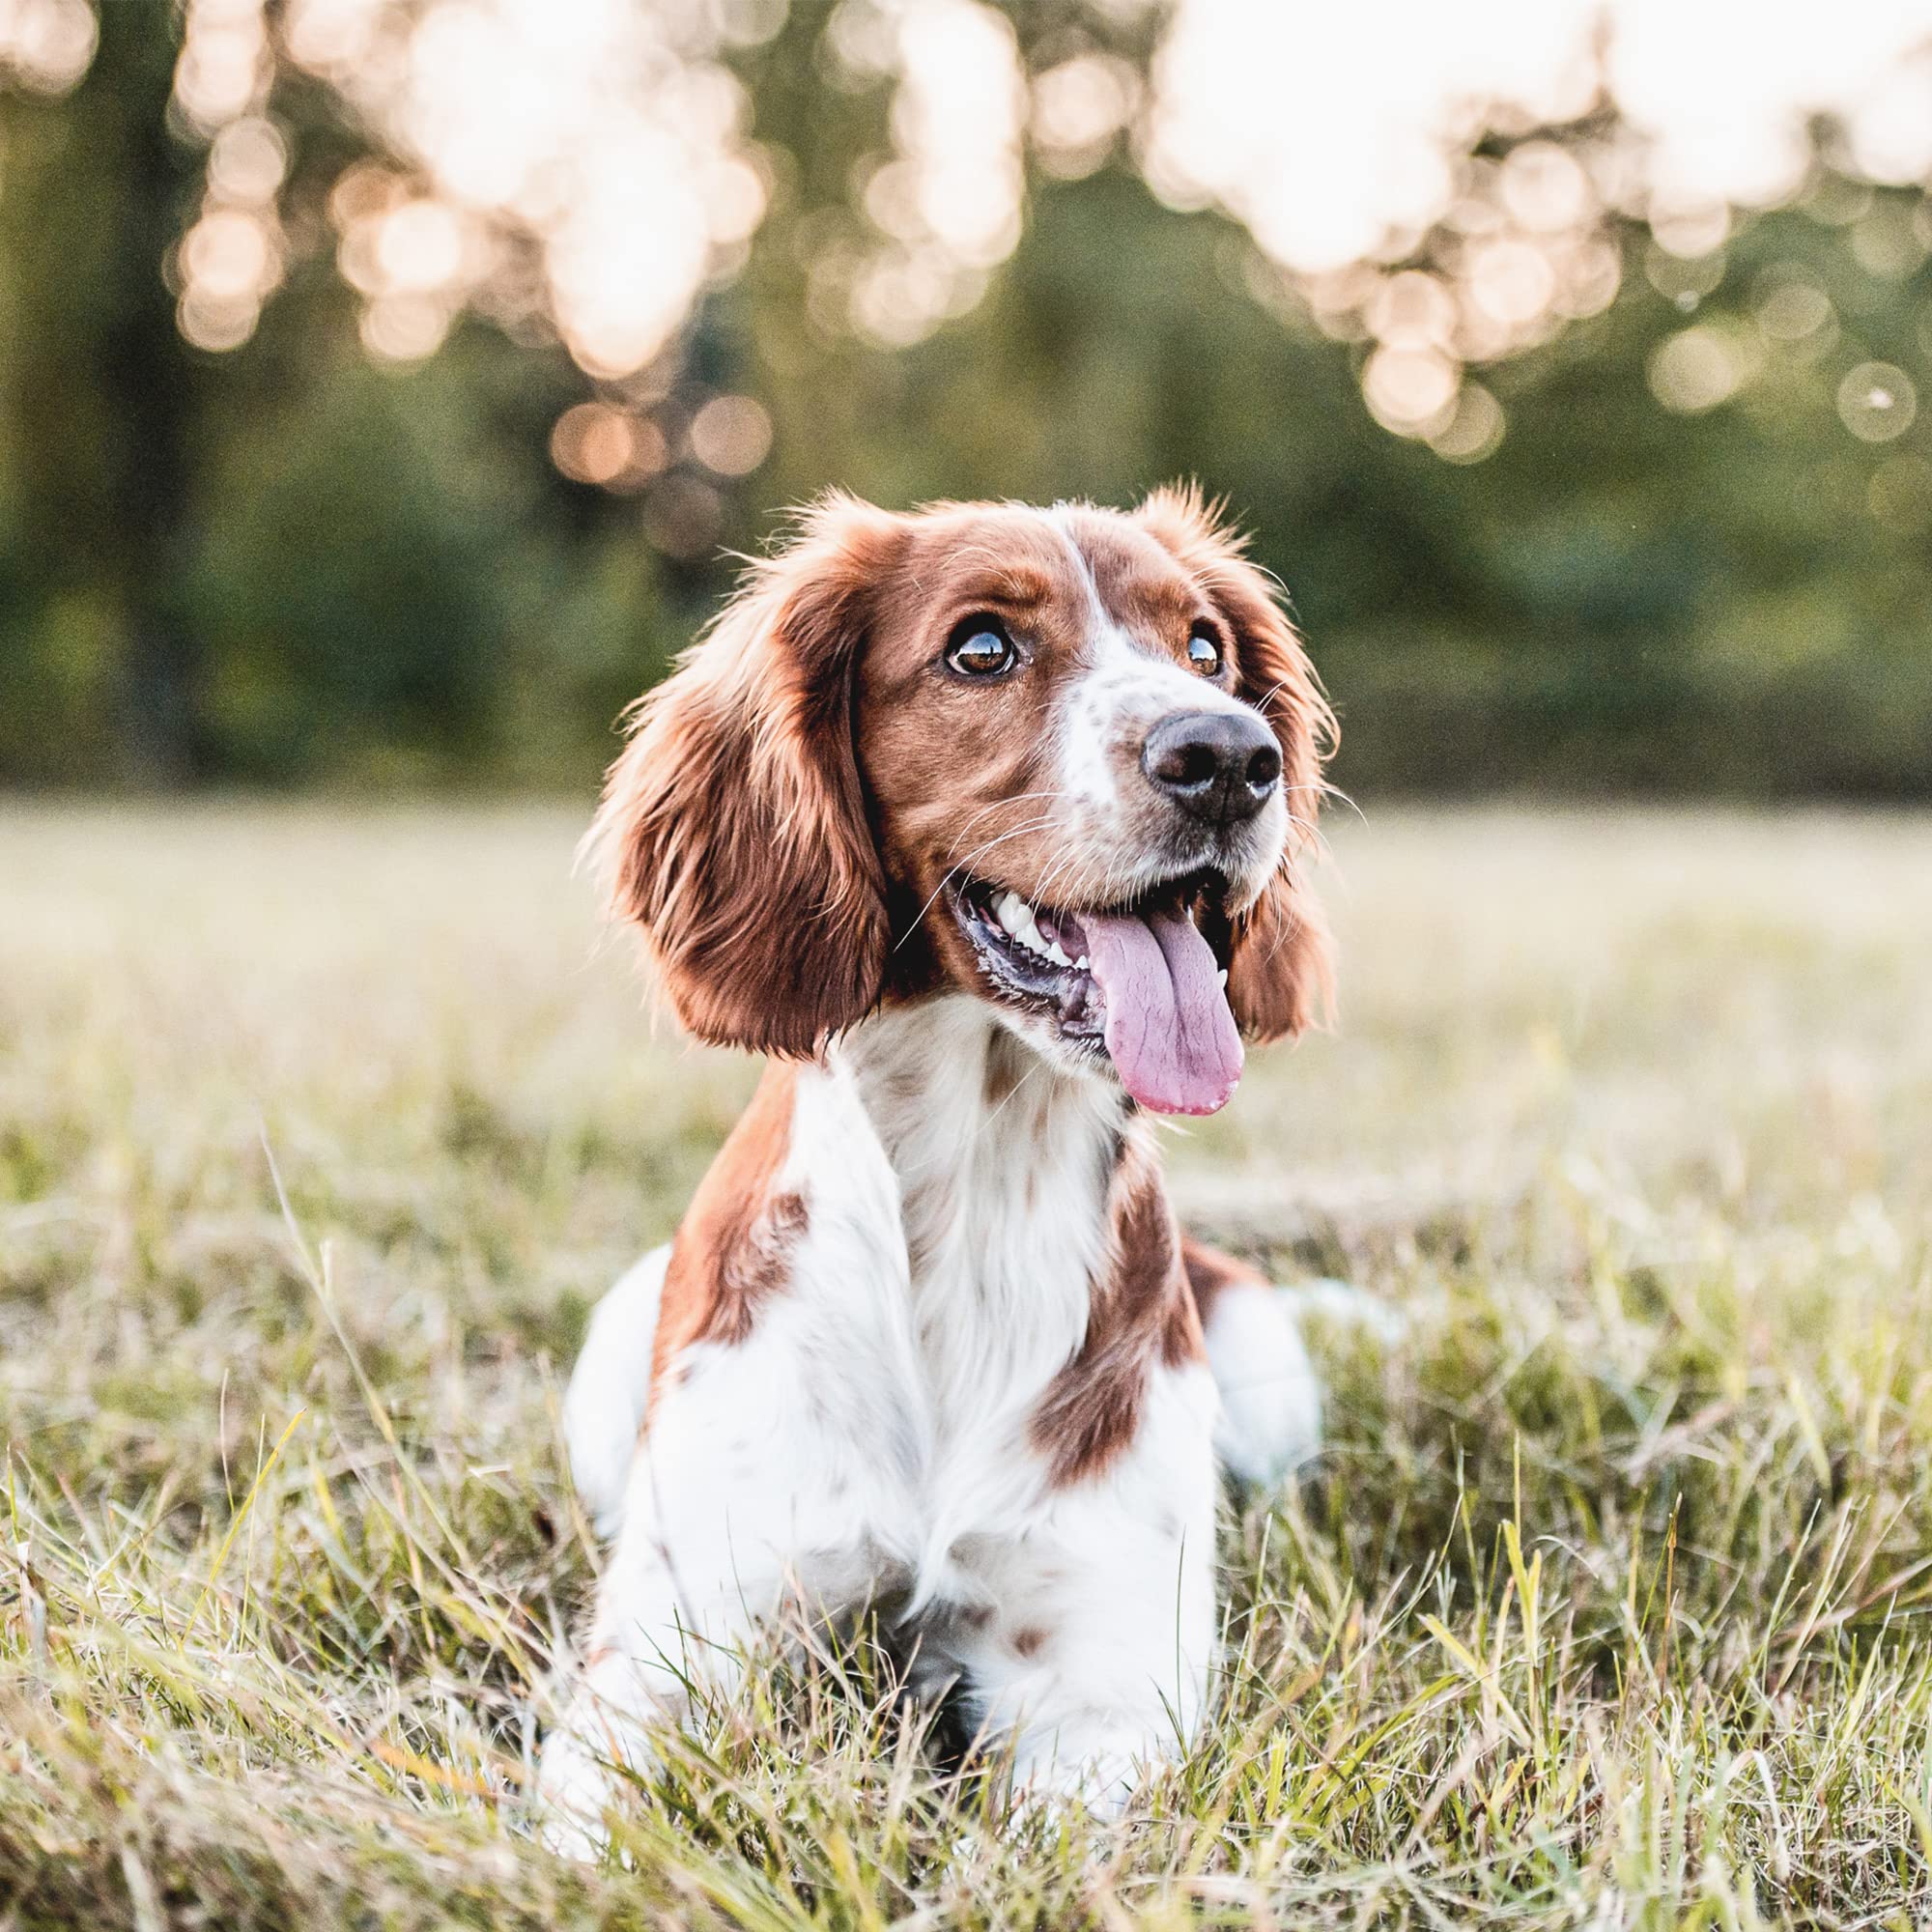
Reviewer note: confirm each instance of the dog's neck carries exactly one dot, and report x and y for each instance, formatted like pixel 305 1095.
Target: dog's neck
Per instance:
pixel 964 1108
pixel 1004 1165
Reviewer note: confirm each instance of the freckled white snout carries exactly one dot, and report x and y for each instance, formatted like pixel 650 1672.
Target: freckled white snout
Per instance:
pixel 1221 767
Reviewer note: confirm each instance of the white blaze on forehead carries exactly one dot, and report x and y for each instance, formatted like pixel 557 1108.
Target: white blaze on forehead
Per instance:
pixel 1061 518
pixel 1122 687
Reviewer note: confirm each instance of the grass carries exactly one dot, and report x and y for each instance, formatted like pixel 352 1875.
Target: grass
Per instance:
pixel 1606 1604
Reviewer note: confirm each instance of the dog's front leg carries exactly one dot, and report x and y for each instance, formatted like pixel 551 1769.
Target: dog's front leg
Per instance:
pixel 741 1505
pixel 1092 1666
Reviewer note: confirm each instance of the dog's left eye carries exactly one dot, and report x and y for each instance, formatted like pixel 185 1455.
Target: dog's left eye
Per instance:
pixel 1203 650
pixel 981 648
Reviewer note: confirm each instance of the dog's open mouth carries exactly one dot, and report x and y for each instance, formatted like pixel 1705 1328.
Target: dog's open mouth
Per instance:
pixel 1143 984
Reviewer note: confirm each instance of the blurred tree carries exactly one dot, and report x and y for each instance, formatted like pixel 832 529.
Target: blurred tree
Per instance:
pixel 103 396
pixel 352 427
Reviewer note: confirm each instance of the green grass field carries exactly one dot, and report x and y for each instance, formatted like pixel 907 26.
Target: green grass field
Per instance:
pixel 1607 1602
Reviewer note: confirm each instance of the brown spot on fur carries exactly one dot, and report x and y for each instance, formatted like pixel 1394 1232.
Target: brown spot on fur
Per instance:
pixel 1141 1314
pixel 1005 1068
pixel 1029 1640
pixel 734 1249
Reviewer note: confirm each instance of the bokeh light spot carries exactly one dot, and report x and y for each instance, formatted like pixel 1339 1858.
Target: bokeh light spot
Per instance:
pixel 601 443
pixel 47 44
pixel 228 256
pixel 215 325
pixel 1792 307
pixel 1698 368
pixel 1079 109
pixel 1414 310
pixel 1511 280
pixel 1476 429
pixel 403 327
pixel 248 160
pixel 1877 402
pixel 1689 229
pixel 731 435
pixel 1411 391
pixel 419 247
pixel 1544 187
pixel 223 64
pixel 1684 280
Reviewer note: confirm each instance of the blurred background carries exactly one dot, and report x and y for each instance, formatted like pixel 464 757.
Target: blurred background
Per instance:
pixel 385 383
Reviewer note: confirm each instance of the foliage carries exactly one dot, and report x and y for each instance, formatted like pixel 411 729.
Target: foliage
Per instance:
pixel 292 564
pixel 1603 1604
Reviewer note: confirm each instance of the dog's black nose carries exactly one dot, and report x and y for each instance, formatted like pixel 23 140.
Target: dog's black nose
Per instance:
pixel 1220 766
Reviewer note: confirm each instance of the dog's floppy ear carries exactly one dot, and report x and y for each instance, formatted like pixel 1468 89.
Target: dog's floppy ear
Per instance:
pixel 733 829
pixel 1279 977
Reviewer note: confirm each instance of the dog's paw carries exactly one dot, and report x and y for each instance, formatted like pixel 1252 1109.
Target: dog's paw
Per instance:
pixel 574 1791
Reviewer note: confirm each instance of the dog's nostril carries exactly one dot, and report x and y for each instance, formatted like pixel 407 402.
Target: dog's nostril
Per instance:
pixel 1263 767
pixel 1188 767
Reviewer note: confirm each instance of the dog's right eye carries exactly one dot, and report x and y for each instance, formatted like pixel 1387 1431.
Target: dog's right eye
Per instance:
pixel 981 648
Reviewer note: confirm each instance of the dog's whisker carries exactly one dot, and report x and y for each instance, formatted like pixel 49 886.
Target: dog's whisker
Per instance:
pixel 964 865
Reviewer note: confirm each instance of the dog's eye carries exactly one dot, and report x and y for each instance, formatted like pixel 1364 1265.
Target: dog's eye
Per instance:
pixel 1203 650
pixel 981 648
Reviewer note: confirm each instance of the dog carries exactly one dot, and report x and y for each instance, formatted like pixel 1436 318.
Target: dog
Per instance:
pixel 989 826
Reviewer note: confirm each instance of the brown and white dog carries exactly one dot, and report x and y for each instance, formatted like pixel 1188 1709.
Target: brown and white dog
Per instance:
pixel 984 823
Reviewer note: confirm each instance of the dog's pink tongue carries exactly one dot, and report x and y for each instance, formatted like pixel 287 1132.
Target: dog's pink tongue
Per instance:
pixel 1170 1034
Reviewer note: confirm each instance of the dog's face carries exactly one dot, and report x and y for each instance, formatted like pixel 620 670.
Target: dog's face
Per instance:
pixel 1065 760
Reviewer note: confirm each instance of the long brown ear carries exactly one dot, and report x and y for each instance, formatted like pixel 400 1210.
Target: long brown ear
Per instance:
pixel 1279 974
pixel 733 828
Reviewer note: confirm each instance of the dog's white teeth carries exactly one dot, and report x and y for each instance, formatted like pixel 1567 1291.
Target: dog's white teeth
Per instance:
pixel 1020 925
pixel 1080 964
pixel 1223 975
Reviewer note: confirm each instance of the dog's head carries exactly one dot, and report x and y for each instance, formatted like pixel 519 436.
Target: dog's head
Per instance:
pixel 1065 759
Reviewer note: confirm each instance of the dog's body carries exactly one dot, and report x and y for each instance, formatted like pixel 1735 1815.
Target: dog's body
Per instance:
pixel 930 1339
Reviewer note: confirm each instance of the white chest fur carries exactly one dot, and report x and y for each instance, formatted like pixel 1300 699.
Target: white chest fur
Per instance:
pixel 959 1195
